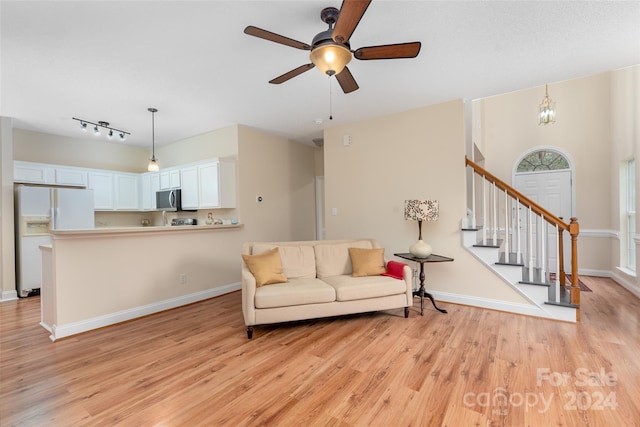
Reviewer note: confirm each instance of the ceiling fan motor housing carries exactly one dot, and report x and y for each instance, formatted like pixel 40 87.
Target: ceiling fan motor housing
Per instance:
pixel 325 52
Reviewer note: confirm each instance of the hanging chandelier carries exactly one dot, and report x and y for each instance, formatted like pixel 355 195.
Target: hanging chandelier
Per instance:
pixel 547 112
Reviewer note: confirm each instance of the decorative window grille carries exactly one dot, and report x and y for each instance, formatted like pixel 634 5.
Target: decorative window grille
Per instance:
pixel 543 160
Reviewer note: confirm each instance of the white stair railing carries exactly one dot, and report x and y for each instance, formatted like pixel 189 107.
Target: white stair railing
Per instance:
pixel 530 248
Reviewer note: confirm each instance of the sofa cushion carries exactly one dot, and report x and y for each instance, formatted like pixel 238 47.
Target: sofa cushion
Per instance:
pixel 297 261
pixel 266 267
pixel 333 259
pixel 350 288
pixel 295 292
pixel 367 262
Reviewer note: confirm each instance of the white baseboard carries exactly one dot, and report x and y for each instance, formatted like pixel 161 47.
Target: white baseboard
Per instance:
pixel 626 282
pixel 595 273
pixel 61 331
pixel 8 295
pixel 499 305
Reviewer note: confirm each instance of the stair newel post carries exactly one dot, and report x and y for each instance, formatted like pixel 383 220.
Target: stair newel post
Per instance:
pixel 530 242
pixel 562 274
pixel 574 230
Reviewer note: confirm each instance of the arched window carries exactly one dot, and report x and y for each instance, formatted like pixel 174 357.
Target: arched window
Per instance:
pixel 543 160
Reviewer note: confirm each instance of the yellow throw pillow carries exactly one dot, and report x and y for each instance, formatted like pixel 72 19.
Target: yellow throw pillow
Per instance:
pixel 367 262
pixel 266 267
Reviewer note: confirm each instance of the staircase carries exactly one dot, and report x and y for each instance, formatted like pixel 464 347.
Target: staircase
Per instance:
pixel 509 233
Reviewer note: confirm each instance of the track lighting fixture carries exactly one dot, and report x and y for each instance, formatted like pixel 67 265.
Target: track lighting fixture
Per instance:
pixel 101 124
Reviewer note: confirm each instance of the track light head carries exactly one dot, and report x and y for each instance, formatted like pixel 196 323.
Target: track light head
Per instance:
pixel 122 137
pixel 83 126
pixel 96 130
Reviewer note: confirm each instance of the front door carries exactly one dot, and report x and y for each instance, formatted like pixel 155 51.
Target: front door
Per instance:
pixel 552 191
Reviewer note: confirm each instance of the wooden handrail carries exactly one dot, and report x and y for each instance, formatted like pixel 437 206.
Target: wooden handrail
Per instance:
pixel 548 216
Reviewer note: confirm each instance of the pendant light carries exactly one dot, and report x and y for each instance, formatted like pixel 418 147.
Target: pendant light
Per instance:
pixel 547 109
pixel 153 164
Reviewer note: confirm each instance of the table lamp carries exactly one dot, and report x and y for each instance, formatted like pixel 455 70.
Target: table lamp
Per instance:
pixel 421 210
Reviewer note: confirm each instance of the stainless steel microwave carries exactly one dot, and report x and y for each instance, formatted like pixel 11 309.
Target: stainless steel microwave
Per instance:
pixel 169 200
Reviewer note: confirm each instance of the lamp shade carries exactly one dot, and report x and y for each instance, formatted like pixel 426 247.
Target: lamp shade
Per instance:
pixel 421 210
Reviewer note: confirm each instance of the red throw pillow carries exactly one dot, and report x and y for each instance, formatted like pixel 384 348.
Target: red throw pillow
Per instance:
pixel 394 269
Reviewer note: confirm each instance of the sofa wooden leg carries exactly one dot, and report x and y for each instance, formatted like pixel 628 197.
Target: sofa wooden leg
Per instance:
pixel 406 312
pixel 249 332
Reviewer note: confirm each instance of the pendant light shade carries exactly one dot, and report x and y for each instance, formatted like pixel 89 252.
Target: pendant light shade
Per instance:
pixel 153 163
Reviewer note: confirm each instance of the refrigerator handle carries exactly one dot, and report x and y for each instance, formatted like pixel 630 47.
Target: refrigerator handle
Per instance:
pixel 55 204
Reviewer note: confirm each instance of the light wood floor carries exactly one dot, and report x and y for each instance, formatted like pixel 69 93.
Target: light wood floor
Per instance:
pixel 194 366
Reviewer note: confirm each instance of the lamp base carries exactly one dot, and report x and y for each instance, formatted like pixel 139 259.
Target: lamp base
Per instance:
pixel 420 249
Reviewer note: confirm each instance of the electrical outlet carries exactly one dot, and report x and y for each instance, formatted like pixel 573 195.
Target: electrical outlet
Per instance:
pixel 183 278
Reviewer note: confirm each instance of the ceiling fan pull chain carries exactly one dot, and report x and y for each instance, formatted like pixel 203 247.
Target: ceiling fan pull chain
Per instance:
pixel 330 101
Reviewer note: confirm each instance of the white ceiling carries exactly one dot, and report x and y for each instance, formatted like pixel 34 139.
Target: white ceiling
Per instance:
pixel 111 60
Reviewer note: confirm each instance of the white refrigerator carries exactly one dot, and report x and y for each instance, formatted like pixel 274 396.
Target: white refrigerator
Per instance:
pixel 38 210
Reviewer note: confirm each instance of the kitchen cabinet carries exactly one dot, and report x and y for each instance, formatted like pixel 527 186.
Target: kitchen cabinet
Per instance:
pixel 40 173
pixel 150 184
pixel 209 184
pixel 170 179
pixel 126 191
pixel 69 176
pixel 102 185
pixel 189 181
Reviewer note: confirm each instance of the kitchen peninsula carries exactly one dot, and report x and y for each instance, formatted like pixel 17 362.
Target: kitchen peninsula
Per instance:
pixel 99 277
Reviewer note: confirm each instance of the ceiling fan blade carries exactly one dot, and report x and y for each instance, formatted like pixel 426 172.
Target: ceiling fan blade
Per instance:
pixel 291 74
pixel 351 12
pixel 277 38
pixel 389 51
pixel 346 80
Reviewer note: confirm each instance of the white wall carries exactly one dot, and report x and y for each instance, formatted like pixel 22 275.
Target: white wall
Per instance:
pixel 7 246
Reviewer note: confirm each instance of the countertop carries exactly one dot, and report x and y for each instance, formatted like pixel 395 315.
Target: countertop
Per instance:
pixel 143 230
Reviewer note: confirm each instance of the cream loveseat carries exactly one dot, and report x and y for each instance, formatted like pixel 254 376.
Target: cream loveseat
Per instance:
pixel 316 280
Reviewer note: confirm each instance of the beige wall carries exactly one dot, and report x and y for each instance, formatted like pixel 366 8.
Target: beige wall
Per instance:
pixel 216 143
pixel 89 153
pixel 417 154
pixel 597 126
pixel 282 172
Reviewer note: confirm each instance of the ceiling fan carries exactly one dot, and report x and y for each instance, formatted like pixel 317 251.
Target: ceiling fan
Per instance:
pixel 330 49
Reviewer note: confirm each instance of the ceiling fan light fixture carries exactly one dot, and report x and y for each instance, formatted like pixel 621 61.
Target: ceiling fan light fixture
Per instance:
pixel 330 58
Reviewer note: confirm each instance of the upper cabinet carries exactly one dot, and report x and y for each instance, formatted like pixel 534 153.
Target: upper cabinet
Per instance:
pixel 208 185
pixel 149 185
pixel 170 179
pixel 101 182
pixel 40 173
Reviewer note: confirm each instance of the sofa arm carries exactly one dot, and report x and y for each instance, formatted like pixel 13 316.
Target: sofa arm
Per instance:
pixel 407 274
pixel 248 296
